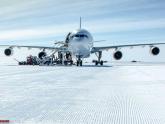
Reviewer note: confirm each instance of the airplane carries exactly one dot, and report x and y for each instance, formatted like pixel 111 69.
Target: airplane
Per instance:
pixel 79 44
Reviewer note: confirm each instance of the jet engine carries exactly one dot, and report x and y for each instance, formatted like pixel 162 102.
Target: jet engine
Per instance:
pixel 117 55
pixel 41 54
pixel 8 51
pixel 155 51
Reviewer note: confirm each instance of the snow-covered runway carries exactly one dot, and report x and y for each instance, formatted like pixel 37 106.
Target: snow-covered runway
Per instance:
pixel 118 94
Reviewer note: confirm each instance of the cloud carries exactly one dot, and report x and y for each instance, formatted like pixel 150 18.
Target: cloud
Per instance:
pixel 21 19
pixel 49 8
pixel 118 26
pixel 93 26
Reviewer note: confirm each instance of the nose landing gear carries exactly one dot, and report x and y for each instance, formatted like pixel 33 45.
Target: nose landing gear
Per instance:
pixel 79 61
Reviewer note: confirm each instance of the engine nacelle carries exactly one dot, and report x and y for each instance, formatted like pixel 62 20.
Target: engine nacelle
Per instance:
pixel 155 51
pixel 117 55
pixel 8 52
pixel 41 54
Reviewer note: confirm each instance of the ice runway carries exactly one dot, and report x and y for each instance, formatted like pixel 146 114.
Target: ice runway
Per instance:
pixel 118 94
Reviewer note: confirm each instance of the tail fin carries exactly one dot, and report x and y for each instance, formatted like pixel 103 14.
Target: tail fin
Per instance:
pixel 80 22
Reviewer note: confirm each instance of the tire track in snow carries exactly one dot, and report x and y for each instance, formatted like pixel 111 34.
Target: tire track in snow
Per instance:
pixel 80 95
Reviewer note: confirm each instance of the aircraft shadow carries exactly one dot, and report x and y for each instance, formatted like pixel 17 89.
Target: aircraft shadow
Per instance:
pixel 97 66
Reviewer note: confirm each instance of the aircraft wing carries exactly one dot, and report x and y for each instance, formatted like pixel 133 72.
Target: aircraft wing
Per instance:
pixel 30 47
pixel 97 49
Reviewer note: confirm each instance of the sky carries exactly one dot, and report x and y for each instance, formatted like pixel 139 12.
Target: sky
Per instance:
pixel 42 22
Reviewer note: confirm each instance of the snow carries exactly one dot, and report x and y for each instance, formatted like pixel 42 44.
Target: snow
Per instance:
pixel 113 94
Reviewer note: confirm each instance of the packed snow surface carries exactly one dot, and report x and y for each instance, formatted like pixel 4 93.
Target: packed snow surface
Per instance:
pixel 112 94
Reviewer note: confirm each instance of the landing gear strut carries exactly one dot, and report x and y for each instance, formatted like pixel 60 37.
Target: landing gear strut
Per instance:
pixel 99 61
pixel 79 62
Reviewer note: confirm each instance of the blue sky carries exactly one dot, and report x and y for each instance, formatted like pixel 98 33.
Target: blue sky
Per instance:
pixel 117 22
pixel 42 22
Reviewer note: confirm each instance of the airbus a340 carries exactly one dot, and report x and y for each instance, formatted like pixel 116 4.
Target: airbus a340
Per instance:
pixel 79 44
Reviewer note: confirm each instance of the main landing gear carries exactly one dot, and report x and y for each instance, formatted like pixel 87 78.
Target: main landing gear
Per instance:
pixel 99 61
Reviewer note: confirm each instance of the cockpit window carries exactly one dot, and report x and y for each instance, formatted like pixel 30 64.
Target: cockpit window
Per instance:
pixel 80 35
pixel 76 35
pixel 83 35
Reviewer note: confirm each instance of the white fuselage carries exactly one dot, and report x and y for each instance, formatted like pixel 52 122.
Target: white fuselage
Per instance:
pixel 80 43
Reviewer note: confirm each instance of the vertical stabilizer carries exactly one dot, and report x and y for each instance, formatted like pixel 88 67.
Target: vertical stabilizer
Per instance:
pixel 80 22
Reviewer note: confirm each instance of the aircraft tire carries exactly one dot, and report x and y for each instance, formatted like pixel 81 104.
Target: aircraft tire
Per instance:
pixel 81 63
pixel 101 63
pixel 96 63
pixel 77 63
